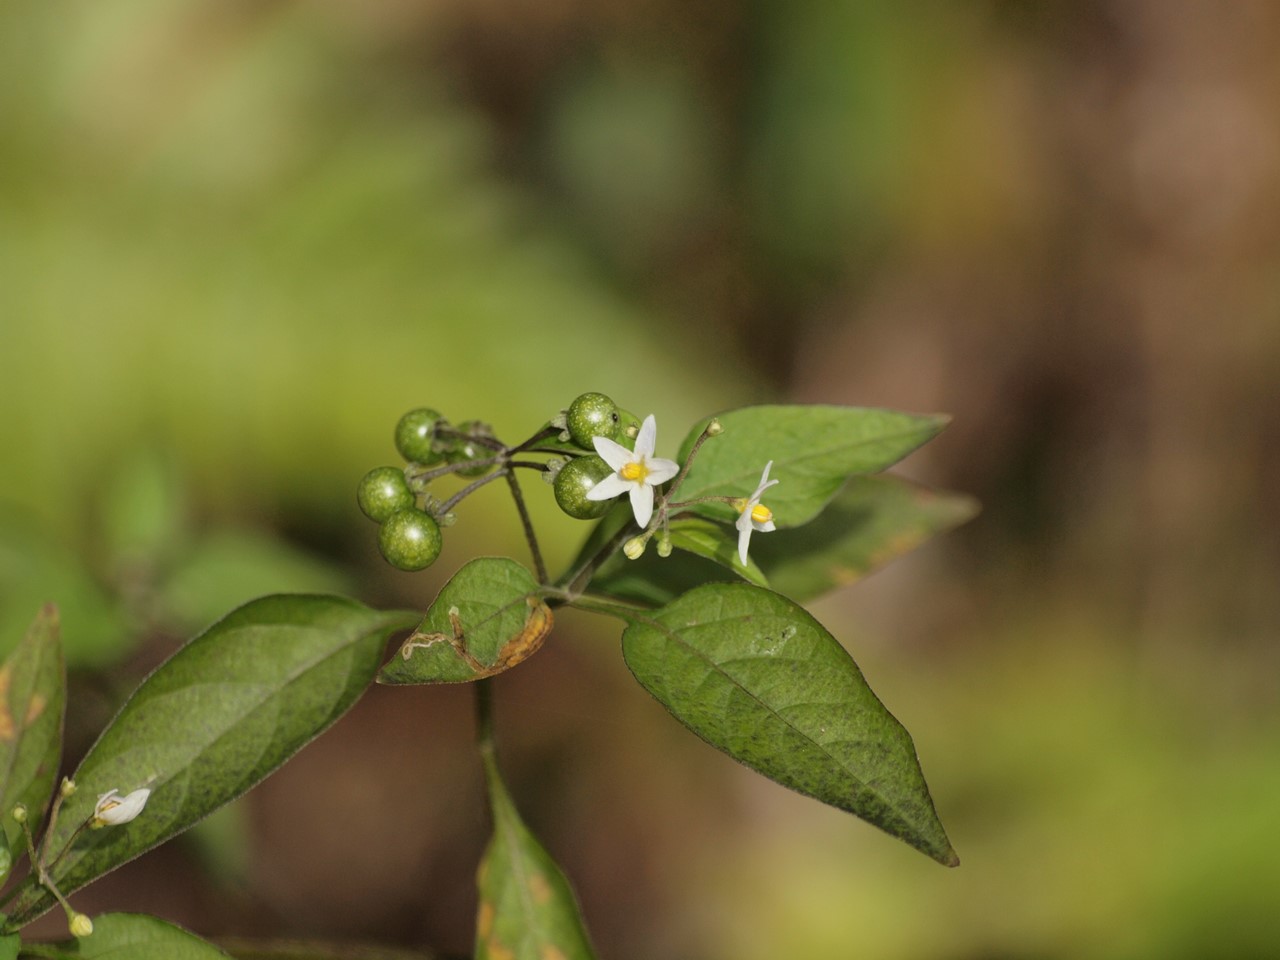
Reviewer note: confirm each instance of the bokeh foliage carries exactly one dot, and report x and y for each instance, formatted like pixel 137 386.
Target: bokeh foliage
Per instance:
pixel 248 236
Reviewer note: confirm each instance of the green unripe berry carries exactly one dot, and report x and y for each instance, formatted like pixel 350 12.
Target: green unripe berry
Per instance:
pixel 462 449
pixel 628 428
pixel 415 434
pixel 410 539
pixel 572 483
pixel 382 492
pixel 589 416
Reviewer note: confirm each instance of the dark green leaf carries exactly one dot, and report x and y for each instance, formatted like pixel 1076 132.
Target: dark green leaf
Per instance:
pixel 216 718
pixel 487 618
pixel 607 527
pixel 132 936
pixel 706 550
pixel 527 910
pixel 814 450
pixel 33 694
pixel 755 675
pixel 713 541
pixel 870 522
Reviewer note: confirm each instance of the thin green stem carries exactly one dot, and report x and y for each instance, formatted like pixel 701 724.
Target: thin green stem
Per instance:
pixel 537 438
pixel 610 608
pixel 466 492
pixel 693 453
pixel 518 496
pixel 575 582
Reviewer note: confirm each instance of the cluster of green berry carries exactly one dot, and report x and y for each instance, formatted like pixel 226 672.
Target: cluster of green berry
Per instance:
pixel 410 519
pixel 591 415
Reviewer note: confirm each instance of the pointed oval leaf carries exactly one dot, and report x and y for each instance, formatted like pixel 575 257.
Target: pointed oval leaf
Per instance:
pixel 814 450
pixel 33 694
pixel 213 720
pixel 486 619
pixel 527 910
pixel 870 522
pixel 135 936
pixel 755 675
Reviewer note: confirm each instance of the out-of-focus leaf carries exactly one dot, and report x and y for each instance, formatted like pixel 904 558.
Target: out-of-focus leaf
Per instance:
pixel 212 721
pixel 870 522
pixel 9 947
pixel 133 936
pixel 34 569
pixel 229 568
pixel 486 619
pixel 753 674
pixel 33 694
pixel 814 450
pixel 142 512
pixel 527 910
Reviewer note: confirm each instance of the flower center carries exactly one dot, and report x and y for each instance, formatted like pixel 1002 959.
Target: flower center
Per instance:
pixel 634 471
pixel 761 514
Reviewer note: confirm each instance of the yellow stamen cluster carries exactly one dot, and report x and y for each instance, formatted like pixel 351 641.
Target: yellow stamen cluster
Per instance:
pixel 634 472
pixel 761 514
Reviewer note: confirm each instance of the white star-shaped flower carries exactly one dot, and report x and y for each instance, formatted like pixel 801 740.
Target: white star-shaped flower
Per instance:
pixel 111 810
pixel 754 514
pixel 634 471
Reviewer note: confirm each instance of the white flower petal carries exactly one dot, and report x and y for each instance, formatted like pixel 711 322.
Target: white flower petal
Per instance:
pixel 611 452
pixel 744 538
pixel 642 503
pixel 647 438
pixel 113 809
pixel 660 470
pixel 610 487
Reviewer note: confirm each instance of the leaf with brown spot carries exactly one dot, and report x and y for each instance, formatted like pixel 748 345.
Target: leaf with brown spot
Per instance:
pixel 528 911
pixel 32 697
pixel 488 618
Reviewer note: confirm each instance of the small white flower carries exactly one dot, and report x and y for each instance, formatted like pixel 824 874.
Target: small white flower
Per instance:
pixel 754 514
pixel 636 472
pixel 111 810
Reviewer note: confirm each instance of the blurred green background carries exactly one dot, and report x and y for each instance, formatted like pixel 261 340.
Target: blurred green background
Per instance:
pixel 238 239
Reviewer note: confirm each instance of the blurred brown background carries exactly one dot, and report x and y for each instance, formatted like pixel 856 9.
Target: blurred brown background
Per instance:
pixel 238 239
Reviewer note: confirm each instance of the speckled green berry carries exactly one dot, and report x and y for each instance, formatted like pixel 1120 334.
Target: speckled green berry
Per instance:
pixel 572 483
pixel 415 434
pixel 628 428
pixel 589 416
pixel 382 492
pixel 409 539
